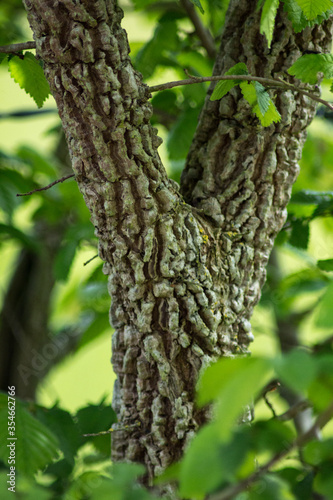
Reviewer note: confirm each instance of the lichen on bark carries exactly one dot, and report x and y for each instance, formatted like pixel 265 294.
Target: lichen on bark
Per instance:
pixel 185 267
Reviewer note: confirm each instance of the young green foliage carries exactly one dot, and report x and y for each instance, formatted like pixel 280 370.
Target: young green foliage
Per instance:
pixel 297 17
pixel 223 87
pixel 27 72
pixel 255 94
pixel 261 103
pixel 313 8
pixel 307 67
pixel 267 20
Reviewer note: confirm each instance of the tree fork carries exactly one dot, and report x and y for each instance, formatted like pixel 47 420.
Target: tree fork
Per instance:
pixel 185 268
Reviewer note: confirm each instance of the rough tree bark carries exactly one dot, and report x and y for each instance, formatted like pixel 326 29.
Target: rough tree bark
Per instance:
pixel 185 267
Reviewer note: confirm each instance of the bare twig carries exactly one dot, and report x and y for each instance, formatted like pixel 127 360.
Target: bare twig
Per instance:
pixel 13 48
pixel 203 33
pixel 92 258
pixel 231 492
pixel 270 387
pixel 45 188
pixel 272 82
pixel 114 428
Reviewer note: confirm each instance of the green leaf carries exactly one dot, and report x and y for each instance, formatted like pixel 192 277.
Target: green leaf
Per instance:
pixel 16 233
pixel 197 476
pixel 232 382
pixel 307 67
pixel 270 487
pixel 223 87
pixel 300 234
pixel 297 17
pixel 323 482
pixel 325 265
pixel 35 446
pixel 324 309
pixel 270 435
pixel 313 8
pixel 250 94
pixel 122 485
pixel 308 197
pixel 316 452
pixel 29 75
pixel 64 260
pixel 297 369
pixel 95 418
pixel 198 4
pixel 38 162
pixel 11 183
pixel 221 462
pixel 96 328
pixel 267 20
pixel 263 98
pixel 25 489
pixel 156 51
pixel 61 423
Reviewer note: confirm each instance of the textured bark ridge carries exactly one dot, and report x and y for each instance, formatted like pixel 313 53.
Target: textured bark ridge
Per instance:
pixel 184 272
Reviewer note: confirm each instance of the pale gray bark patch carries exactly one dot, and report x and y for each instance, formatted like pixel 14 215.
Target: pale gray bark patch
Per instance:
pixel 184 276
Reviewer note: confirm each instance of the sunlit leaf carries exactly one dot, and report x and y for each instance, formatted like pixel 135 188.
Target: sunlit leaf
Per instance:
pixel 307 67
pixel 29 75
pixel 232 382
pixel 221 462
pixel 267 20
pixel 222 87
pixel 250 94
pixel 312 8
pixel 324 316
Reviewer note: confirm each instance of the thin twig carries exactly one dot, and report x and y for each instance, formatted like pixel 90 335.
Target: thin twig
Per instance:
pixel 13 48
pixel 231 492
pixel 294 410
pixel 272 82
pixel 114 428
pixel 92 258
pixel 203 33
pixel 45 188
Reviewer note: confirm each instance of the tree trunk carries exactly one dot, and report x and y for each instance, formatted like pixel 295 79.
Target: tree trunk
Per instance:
pixel 185 268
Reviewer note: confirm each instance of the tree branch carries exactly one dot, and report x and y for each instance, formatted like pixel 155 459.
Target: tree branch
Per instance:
pixel 13 48
pixel 271 82
pixel 203 33
pixel 45 188
pixel 230 492
pixel 297 408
